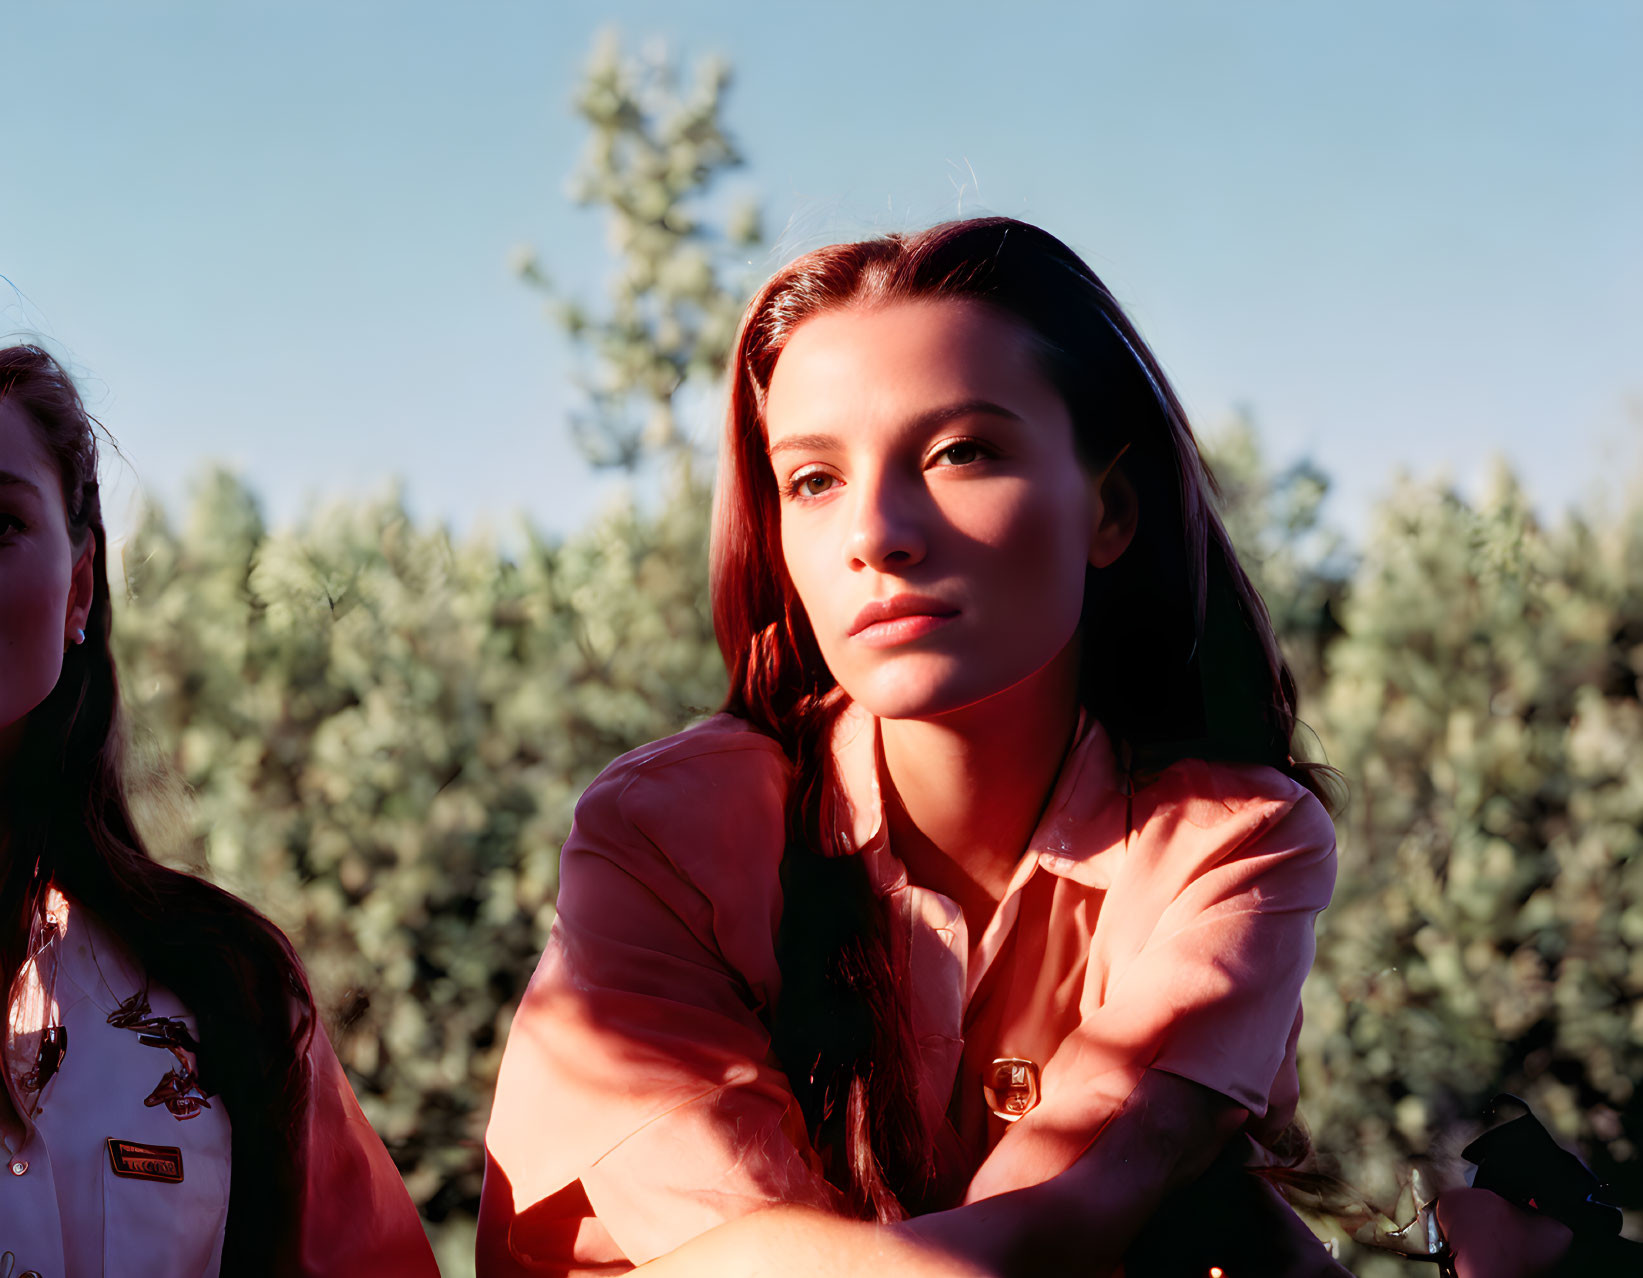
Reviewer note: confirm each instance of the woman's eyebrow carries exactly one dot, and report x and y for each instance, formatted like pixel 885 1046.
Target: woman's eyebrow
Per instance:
pixel 803 444
pixel 10 480
pixel 927 420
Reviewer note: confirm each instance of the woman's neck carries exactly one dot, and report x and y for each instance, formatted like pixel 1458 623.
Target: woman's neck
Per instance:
pixel 965 791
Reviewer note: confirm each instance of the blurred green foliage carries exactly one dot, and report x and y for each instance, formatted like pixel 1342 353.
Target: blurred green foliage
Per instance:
pixel 382 733
pixel 1487 932
pixel 1475 677
pixel 377 732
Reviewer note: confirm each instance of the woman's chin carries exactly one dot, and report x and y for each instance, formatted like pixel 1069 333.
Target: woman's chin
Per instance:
pixel 930 685
pixel 911 694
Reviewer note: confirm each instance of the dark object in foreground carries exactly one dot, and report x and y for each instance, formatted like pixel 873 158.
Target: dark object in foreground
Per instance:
pixel 1521 1162
pixel 1232 1222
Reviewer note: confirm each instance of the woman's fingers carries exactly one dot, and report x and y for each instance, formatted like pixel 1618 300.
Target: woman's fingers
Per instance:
pixel 1493 1238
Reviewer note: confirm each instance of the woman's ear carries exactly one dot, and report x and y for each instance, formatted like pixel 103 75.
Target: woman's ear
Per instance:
pixel 1113 513
pixel 82 585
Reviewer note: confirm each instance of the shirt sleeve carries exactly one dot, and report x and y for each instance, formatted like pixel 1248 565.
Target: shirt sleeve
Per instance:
pixel 637 1063
pixel 355 1216
pixel 1212 992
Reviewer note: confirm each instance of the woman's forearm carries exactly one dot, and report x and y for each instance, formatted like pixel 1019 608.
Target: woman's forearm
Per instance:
pixel 803 1242
pixel 1078 1223
pixel 1081 1220
pixel 1028 1233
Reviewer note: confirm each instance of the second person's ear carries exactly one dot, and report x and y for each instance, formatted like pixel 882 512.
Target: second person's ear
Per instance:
pixel 82 586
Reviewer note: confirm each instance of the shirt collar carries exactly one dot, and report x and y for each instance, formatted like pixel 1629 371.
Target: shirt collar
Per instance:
pixel 1082 835
pixel 855 802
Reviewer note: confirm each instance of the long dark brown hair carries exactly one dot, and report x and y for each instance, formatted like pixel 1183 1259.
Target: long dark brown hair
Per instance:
pixel 1193 670
pixel 68 824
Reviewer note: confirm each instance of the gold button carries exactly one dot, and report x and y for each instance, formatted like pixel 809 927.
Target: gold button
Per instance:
pixel 1011 1087
pixel 19 1167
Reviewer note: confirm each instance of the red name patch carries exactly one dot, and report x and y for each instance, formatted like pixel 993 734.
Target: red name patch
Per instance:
pixel 145 1162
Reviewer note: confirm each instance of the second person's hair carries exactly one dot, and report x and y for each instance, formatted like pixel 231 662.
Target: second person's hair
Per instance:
pixel 70 826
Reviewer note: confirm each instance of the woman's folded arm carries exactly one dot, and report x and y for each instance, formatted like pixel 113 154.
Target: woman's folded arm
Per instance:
pixel 636 1105
pixel 1077 1223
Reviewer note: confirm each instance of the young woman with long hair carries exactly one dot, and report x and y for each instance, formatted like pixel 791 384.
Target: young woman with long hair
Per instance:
pixel 171 1105
pixel 973 929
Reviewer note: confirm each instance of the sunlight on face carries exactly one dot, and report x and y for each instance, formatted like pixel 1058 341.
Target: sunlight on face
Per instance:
pixel 36 570
pixel 935 519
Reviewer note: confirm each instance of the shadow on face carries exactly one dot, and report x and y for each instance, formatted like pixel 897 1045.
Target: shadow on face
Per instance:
pixel 40 604
pixel 936 519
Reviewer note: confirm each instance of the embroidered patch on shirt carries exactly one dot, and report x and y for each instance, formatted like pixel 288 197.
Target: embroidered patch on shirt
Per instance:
pixel 145 1162
pixel 179 1089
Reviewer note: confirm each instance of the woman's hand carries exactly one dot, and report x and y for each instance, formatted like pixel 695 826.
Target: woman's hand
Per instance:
pixel 1494 1238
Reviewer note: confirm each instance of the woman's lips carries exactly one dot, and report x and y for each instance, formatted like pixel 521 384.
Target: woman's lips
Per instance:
pixel 900 619
pixel 897 630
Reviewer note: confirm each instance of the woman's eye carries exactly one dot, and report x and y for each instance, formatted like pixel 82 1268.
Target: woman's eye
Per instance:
pixel 811 484
pixel 962 453
pixel 10 524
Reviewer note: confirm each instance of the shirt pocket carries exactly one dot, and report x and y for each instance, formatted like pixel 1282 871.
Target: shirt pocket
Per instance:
pixel 156 1227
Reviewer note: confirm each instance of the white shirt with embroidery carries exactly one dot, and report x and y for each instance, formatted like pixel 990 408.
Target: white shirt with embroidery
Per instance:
pixel 115 1162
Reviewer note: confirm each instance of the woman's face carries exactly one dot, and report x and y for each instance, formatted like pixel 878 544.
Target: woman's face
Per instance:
pixel 45 588
pixel 935 518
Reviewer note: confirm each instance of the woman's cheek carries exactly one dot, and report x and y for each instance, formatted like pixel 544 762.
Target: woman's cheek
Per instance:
pixel 1040 566
pixel 32 606
pixel 807 556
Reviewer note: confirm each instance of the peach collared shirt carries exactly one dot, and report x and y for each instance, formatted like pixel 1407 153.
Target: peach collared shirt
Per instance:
pixel 638 1104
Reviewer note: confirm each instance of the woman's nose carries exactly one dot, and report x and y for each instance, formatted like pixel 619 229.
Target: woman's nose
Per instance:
pixel 886 532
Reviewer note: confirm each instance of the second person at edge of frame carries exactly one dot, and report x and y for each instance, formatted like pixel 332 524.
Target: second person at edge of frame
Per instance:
pixel 172 1107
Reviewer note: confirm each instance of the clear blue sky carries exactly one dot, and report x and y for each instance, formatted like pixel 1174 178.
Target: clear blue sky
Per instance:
pixel 1403 233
